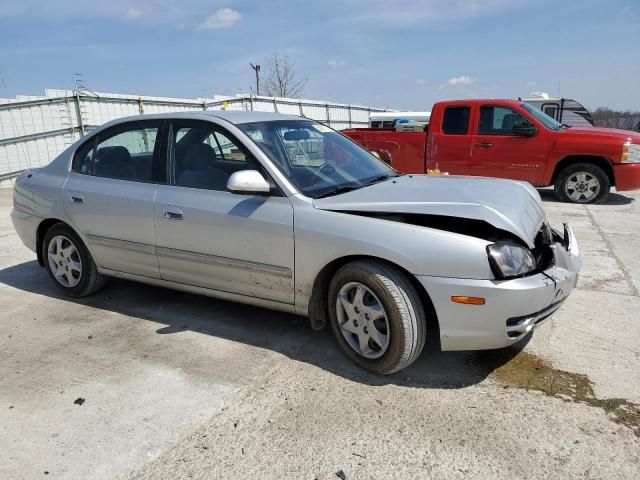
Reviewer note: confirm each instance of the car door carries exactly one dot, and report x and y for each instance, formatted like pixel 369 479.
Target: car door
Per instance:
pixel 498 152
pixel 450 148
pixel 109 196
pixel 209 237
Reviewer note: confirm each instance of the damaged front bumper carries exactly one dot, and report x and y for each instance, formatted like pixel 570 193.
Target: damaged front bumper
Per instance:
pixel 512 308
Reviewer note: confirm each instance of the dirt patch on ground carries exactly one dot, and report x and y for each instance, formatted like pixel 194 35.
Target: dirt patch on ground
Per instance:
pixel 528 372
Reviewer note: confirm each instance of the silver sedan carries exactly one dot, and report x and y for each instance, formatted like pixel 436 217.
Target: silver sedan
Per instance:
pixel 285 213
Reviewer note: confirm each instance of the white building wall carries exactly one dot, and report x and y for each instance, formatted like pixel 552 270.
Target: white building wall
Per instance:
pixel 34 130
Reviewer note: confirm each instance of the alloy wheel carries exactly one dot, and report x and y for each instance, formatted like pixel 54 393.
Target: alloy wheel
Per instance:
pixel 64 261
pixel 362 320
pixel 582 187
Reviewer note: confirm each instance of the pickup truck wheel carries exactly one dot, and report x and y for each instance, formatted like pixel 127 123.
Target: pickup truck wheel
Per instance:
pixel 376 316
pixel 582 183
pixel 69 263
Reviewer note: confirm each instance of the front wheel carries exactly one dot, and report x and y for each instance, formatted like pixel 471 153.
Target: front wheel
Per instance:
pixel 582 183
pixel 69 263
pixel 377 316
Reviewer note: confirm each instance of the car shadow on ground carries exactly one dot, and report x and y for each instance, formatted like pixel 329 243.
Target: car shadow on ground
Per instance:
pixel 286 334
pixel 614 198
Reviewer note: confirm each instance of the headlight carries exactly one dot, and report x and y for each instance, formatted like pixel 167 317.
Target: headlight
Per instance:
pixel 509 260
pixel 630 153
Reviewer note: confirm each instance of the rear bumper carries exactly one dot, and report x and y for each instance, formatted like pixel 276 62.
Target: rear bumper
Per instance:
pixel 626 176
pixel 512 308
pixel 26 226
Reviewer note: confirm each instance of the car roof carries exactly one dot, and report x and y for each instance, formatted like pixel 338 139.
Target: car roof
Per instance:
pixel 473 101
pixel 232 116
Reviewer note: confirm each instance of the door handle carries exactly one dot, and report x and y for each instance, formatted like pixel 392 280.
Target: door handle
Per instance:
pixel 76 198
pixel 173 214
pixel 484 145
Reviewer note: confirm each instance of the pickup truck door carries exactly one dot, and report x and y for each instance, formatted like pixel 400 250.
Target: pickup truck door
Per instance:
pixel 449 148
pixel 497 151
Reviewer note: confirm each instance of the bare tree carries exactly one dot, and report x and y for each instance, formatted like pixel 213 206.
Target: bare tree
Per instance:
pixel 281 79
pixel 605 117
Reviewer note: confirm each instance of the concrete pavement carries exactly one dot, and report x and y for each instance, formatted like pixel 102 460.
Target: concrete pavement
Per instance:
pixel 181 386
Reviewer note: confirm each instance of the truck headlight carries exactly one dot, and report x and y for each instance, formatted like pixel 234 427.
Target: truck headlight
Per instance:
pixel 509 260
pixel 630 153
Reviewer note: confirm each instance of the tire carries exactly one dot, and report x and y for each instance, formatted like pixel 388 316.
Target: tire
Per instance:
pixel 62 248
pixel 591 177
pixel 404 317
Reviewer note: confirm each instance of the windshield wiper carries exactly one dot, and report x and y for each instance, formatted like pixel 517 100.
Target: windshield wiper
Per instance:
pixel 381 178
pixel 377 179
pixel 353 186
pixel 340 189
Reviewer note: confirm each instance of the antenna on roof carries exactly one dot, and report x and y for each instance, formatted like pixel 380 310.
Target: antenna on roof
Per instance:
pixel 80 88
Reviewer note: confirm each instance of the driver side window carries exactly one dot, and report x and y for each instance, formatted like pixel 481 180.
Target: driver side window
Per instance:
pixel 205 157
pixel 498 120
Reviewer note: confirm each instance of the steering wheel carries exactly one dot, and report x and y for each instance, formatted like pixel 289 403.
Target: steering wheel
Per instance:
pixel 323 171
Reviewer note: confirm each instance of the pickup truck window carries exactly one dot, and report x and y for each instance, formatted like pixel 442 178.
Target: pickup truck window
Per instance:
pixel 545 119
pixel 456 120
pixel 498 120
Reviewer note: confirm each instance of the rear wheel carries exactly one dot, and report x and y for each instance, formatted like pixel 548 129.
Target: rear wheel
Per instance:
pixel 582 183
pixel 376 316
pixel 69 263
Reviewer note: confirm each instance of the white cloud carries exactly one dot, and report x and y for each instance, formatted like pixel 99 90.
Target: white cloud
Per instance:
pixel 461 81
pixel 531 84
pixel 134 13
pixel 333 63
pixel 420 81
pixel 222 18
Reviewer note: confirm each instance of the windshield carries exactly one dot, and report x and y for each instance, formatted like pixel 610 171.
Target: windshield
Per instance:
pixel 318 160
pixel 546 120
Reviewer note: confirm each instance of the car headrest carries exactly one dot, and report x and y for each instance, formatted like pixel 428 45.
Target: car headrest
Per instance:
pixel 509 120
pixel 199 156
pixel 112 155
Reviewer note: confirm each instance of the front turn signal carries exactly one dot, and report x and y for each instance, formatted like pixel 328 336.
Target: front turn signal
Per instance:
pixel 467 300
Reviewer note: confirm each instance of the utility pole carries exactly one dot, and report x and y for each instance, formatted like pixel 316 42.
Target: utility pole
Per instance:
pixel 78 84
pixel 256 68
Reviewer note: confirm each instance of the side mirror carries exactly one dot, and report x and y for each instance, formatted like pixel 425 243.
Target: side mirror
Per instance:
pixel 248 182
pixel 524 129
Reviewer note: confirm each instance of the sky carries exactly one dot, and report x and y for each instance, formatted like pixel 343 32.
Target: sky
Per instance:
pixel 403 54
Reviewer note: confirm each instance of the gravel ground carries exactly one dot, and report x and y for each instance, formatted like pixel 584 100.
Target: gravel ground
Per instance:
pixel 180 386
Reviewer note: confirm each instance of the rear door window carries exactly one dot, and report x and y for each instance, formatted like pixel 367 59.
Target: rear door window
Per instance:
pixel 456 120
pixel 126 152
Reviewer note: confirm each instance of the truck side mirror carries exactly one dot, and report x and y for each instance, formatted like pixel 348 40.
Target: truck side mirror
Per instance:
pixel 524 129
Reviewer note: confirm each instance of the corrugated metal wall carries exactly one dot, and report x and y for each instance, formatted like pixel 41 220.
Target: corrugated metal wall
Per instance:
pixel 34 130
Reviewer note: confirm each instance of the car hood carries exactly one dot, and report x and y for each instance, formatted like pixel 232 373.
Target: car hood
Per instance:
pixel 505 204
pixel 609 133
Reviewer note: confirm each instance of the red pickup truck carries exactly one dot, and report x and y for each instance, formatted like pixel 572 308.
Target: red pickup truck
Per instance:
pixel 511 139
